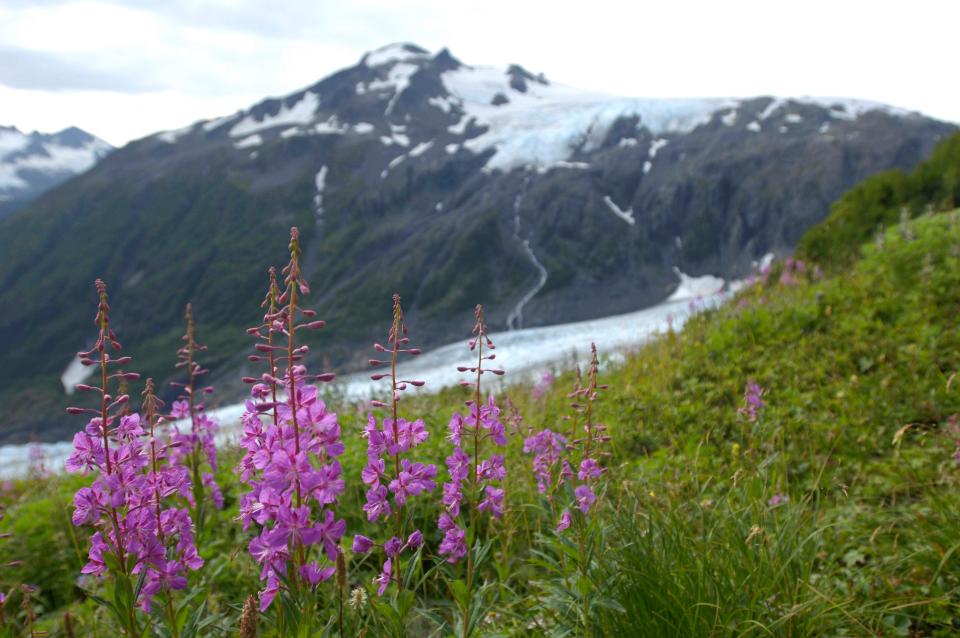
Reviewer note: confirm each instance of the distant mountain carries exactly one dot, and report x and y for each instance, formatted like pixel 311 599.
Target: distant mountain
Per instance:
pixel 413 172
pixel 31 164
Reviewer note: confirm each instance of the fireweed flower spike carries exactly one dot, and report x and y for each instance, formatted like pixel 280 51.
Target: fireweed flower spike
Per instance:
pixel 753 402
pixel 588 445
pixel 474 482
pixel 556 456
pixel 387 472
pixel 135 535
pixel 292 443
pixel 196 449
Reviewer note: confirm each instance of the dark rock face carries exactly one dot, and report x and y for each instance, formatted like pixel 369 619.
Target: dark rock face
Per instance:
pixel 405 177
pixel 31 164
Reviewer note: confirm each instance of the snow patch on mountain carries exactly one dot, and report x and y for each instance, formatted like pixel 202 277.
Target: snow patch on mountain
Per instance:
pixel 443 102
pixel 321 184
pixel 851 109
pixel 691 288
pixel 561 164
pixel 397 80
pixel 171 137
pixel 301 112
pixel 247 142
pixel 330 126
pixel 655 147
pixel 75 373
pixel 420 149
pixel 393 53
pixel 625 215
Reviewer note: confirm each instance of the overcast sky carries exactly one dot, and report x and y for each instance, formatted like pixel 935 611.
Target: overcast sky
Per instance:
pixel 123 69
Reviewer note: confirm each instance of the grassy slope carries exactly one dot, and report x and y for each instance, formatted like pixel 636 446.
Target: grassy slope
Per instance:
pixel 857 371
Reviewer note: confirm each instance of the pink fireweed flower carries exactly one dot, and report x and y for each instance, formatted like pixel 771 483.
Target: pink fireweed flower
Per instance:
pixel 362 544
pixel 454 544
pixel 291 443
pixel 548 449
pixel 585 497
pixel 581 450
pixel 126 503
pixel 777 499
pixel 388 474
pixel 753 402
pixel 564 523
pixel 383 580
pixel 792 269
pixel 470 476
pixel 543 385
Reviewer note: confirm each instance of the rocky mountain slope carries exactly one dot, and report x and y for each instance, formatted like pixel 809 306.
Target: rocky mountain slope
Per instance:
pixel 31 164
pixel 450 184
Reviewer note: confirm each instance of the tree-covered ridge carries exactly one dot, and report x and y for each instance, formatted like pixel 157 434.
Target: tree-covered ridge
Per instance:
pixel 882 200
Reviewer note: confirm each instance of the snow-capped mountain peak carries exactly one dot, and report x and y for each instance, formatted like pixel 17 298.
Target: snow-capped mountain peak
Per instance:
pixel 406 97
pixel 392 53
pixel 32 163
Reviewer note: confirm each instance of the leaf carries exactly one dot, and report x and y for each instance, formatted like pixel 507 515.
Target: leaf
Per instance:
pixel 405 601
pixel 460 594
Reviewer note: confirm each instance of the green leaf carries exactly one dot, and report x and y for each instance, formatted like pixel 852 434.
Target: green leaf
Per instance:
pixel 460 594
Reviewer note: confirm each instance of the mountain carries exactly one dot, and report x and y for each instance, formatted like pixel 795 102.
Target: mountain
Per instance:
pixel 413 172
pixel 31 164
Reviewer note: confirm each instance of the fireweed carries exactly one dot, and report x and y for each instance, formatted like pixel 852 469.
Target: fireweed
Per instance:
pixel 587 445
pixel 543 386
pixel 473 482
pixel 292 443
pixel 387 473
pixel 146 547
pixel 3 594
pixel 196 449
pixel 753 402
pixel 555 457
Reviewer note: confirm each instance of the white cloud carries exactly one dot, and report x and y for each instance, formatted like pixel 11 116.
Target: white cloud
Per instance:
pixel 202 59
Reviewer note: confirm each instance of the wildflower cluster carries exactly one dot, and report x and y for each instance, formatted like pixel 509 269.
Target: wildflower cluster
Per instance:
pixel 555 455
pixel 196 447
pixel 792 270
pixel 478 477
pixel 550 467
pixel 136 533
pixel 388 443
pixel 752 402
pixel 291 459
